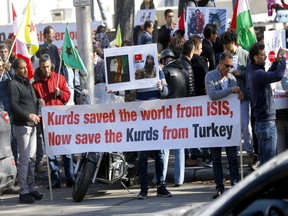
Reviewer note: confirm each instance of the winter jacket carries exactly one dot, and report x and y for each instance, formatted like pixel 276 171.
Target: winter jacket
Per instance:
pixel 22 101
pixel 177 79
pixel 44 88
pixel 4 104
pixel 188 67
pixel 200 68
pixel 261 94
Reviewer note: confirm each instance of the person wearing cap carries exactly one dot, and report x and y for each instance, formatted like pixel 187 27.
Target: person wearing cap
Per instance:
pixel 177 79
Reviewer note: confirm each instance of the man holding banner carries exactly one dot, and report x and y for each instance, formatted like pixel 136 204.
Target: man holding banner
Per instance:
pixel 220 83
pixel 52 88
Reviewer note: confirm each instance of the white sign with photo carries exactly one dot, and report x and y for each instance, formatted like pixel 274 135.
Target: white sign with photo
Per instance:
pixel 144 15
pixel 273 40
pixel 134 67
pixel 198 17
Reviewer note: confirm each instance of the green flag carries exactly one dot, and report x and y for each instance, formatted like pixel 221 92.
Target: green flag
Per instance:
pixel 118 40
pixel 242 23
pixel 70 54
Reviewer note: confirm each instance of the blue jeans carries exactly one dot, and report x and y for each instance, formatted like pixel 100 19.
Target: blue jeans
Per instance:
pixel 231 153
pixel 55 170
pixel 246 126
pixel 266 133
pixel 143 168
pixel 179 165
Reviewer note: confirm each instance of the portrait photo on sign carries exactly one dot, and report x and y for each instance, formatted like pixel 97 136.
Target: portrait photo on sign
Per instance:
pixel 144 15
pixel 197 18
pixel 134 67
pixel 118 69
pixel 146 71
pixel 195 21
pixel 219 17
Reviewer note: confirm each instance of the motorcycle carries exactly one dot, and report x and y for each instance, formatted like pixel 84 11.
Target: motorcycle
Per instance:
pixel 92 167
pixel 104 167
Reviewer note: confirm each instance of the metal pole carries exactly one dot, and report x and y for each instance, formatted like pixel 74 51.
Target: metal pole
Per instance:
pixel 84 46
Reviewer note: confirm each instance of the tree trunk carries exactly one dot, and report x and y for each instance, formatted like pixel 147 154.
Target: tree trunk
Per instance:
pixel 124 15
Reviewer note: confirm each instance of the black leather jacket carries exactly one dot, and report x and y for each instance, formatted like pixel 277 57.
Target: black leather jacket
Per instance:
pixel 188 67
pixel 177 79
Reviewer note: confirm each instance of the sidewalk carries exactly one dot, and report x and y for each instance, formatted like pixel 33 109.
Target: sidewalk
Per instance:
pixel 199 173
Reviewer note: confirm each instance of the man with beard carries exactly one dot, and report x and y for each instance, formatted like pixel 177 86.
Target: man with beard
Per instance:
pixel 53 89
pixel 23 105
pixel 262 98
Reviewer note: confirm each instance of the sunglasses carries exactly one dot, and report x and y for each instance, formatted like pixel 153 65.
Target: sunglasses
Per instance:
pixel 227 65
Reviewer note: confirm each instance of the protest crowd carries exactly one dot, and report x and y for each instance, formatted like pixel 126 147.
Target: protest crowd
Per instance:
pixel 204 61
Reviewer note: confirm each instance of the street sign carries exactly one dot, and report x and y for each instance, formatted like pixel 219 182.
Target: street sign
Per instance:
pixel 81 3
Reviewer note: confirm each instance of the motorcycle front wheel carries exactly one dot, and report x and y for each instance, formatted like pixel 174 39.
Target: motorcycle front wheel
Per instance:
pixel 83 179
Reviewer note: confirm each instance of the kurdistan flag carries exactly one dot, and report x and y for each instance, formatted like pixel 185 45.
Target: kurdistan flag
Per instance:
pixel 27 33
pixel 70 55
pixel 242 23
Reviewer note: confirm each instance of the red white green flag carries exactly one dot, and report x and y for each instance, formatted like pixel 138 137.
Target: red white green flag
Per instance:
pixel 242 23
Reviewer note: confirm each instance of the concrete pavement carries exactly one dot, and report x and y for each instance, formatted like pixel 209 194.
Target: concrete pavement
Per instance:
pixel 197 173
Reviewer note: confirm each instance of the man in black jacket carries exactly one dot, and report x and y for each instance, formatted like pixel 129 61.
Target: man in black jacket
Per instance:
pixel 177 79
pixel 199 66
pixel 185 58
pixel 49 48
pixel 210 33
pixel 23 105
pixel 165 30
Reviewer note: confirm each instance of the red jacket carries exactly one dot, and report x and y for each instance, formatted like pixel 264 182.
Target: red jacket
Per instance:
pixel 44 88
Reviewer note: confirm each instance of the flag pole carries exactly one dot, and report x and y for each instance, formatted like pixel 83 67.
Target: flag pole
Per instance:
pixel 58 77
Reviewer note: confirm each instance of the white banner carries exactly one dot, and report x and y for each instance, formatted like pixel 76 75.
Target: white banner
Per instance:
pixel 59 29
pixel 160 124
pixel 124 66
pixel 273 40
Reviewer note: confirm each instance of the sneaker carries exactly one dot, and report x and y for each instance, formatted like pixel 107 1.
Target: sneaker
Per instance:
pixel 209 164
pixel 218 193
pixel 26 198
pixel 36 195
pixel 250 160
pixel 178 185
pixel 70 182
pixel 190 163
pixel 40 168
pixel 256 165
pixel 163 192
pixel 143 194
